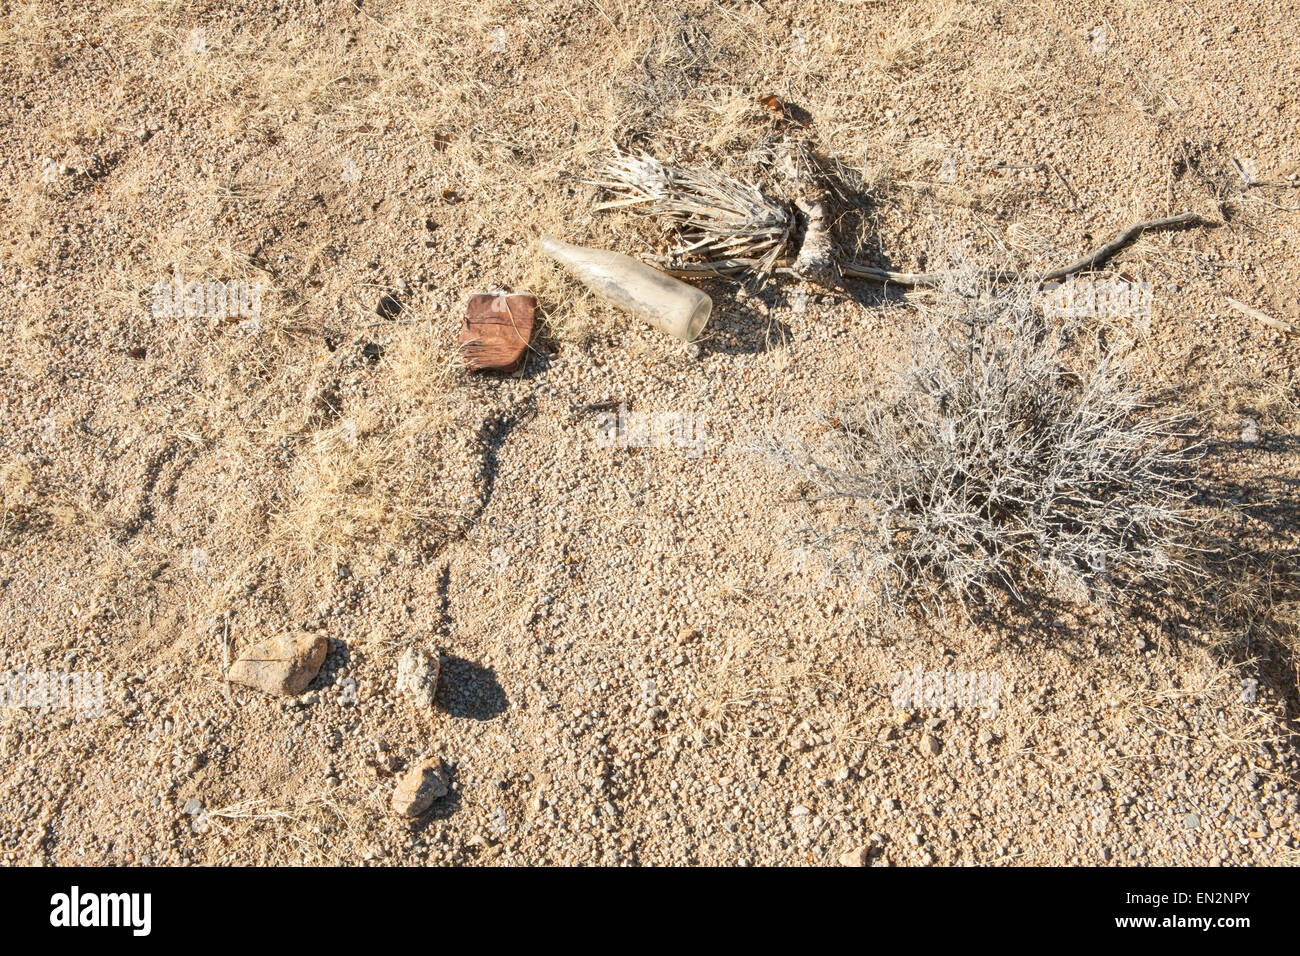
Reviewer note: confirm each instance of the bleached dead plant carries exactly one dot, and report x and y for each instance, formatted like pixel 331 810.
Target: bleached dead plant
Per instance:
pixel 726 227
pixel 1005 461
pixel 715 217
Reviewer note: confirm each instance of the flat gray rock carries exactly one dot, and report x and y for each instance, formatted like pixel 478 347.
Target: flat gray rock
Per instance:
pixel 417 677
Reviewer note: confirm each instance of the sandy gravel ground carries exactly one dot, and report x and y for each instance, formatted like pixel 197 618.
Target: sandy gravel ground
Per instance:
pixel 635 667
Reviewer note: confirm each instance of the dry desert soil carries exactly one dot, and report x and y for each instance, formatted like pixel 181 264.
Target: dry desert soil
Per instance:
pixel 635 669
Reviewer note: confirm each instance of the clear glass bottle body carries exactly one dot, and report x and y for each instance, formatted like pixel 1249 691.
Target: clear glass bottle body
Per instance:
pixel 668 304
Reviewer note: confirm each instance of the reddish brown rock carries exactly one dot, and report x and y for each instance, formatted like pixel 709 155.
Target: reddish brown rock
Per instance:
pixel 496 330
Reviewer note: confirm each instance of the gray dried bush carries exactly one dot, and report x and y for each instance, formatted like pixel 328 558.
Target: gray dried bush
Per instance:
pixel 1006 461
pixel 715 217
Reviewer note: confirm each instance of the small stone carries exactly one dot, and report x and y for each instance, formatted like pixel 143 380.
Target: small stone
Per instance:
pixel 930 745
pixel 422 785
pixel 987 736
pixel 193 807
pixel 856 857
pixel 284 665
pixel 1249 431
pixel 417 677
pixel 1192 821
pixel 1249 690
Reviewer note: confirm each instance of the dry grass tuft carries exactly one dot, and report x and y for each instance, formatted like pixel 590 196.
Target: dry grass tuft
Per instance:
pixel 354 482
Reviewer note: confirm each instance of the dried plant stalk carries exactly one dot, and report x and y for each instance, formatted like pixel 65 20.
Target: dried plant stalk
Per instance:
pixel 731 228
pixel 817 258
pixel 716 217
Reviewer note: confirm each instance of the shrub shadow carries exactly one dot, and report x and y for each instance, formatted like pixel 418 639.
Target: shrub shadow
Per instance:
pixel 1239 597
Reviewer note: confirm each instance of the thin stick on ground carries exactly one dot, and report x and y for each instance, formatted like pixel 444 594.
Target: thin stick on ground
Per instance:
pixel 1262 317
pixel 937 280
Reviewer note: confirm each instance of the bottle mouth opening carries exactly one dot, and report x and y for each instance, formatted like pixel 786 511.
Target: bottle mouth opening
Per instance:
pixel 699 319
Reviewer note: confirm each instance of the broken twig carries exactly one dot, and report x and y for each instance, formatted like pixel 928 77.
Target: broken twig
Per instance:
pixel 1263 317
pixel 932 280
